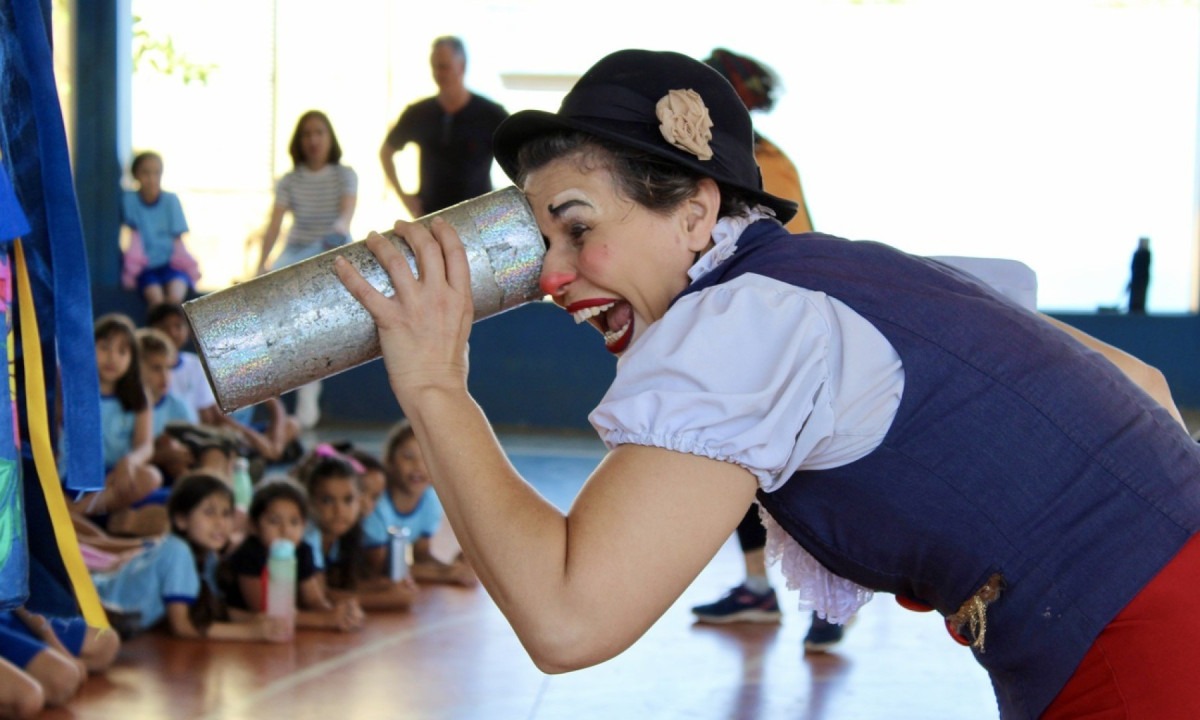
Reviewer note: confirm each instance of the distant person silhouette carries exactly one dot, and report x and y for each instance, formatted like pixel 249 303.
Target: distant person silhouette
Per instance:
pixel 1139 277
pixel 453 129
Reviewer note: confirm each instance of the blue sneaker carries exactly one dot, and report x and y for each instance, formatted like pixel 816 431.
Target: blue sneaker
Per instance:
pixel 741 605
pixel 822 635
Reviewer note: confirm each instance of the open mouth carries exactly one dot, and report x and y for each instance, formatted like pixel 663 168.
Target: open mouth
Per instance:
pixel 613 318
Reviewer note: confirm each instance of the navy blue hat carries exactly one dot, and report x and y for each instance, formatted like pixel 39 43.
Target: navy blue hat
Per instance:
pixel 663 103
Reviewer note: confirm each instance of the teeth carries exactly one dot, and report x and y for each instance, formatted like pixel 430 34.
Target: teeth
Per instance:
pixel 582 316
pixel 611 337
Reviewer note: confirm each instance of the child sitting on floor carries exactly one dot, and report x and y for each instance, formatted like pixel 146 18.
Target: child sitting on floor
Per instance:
pixel 409 503
pixel 125 426
pixel 44 661
pixel 275 439
pixel 372 479
pixel 158 357
pixel 279 510
pixel 334 531
pixel 174 578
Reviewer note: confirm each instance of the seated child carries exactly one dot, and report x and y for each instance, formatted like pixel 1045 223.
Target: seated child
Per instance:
pixel 125 426
pixel 411 503
pixel 372 480
pixel 279 510
pixel 156 261
pixel 54 654
pixel 189 382
pixel 174 578
pixel 276 439
pixel 334 531
pixel 159 356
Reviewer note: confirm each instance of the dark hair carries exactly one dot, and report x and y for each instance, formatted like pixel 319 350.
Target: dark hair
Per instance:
pixel 152 341
pixel 400 433
pixel 452 42
pixel 141 158
pixel 162 311
pixel 277 487
pixel 188 493
pixel 191 490
pixel 129 389
pixel 317 466
pixel 296 147
pixel 648 180
pixel 368 461
pixel 351 565
pixel 754 83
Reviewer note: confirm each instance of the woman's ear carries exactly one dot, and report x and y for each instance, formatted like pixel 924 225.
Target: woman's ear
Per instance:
pixel 700 214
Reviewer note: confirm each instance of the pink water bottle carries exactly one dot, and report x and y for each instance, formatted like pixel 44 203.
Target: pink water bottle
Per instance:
pixel 281 579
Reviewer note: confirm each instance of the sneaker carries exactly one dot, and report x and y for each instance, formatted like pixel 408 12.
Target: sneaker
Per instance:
pixel 740 605
pixel 822 635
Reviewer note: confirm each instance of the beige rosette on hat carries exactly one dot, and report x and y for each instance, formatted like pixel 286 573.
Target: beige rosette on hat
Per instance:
pixel 684 122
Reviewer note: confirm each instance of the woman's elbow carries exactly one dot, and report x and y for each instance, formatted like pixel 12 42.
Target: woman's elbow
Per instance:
pixel 572 646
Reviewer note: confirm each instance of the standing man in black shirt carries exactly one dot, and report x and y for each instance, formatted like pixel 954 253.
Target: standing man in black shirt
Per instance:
pixel 453 130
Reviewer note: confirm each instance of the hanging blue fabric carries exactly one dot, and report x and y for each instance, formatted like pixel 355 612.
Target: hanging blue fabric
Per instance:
pixel 14 543
pixel 35 150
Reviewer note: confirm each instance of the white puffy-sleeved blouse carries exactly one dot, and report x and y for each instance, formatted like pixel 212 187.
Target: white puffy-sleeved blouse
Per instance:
pixel 710 378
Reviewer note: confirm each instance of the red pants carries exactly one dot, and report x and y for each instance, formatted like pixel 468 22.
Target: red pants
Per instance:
pixel 1146 662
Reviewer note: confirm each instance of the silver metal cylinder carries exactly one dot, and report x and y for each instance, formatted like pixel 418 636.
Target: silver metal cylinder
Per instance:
pixel 298 324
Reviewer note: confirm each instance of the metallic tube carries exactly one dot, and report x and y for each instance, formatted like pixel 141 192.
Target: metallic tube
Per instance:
pixel 272 334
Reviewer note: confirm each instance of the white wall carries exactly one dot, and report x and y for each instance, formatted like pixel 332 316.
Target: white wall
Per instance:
pixel 1054 132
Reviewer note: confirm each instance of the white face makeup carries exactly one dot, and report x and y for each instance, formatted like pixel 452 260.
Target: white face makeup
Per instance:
pixel 609 261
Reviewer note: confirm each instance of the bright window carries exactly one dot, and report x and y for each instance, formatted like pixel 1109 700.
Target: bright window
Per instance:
pixel 1053 132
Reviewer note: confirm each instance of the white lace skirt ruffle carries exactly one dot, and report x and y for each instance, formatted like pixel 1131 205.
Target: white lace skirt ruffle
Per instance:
pixel 833 597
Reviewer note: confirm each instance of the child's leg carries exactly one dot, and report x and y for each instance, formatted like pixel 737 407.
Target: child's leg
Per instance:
pixel 95 648
pixel 153 294
pixel 59 675
pixel 100 648
pixel 140 522
pixel 308 404
pixel 28 642
pixel 125 484
pixel 20 695
pixel 176 291
pixel 282 429
pixel 128 483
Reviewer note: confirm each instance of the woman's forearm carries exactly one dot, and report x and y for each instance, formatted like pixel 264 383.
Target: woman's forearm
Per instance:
pixel 525 571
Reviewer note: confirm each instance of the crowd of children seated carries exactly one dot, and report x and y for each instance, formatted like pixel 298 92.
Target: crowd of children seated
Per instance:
pixel 170 551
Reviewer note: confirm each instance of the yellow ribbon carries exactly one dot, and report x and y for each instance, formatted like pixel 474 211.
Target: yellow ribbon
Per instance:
pixel 43 455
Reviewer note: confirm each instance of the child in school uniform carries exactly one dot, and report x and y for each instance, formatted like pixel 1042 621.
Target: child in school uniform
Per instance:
pixel 174 579
pixel 44 660
pixel 156 261
pixel 334 484
pixel 125 425
pixel 410 504
pixel 279 511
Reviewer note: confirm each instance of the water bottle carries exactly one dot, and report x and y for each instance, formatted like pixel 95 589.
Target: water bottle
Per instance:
pixel 243 486
pixel 399 553
pixel 281 579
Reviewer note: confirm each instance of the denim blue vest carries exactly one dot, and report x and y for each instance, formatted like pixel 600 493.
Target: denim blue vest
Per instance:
pixel 1016 456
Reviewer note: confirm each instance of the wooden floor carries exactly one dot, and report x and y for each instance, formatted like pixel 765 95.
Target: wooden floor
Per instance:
pixel 454 657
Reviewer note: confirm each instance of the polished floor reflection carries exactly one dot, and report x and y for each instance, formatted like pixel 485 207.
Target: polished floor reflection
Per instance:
pixel 454 657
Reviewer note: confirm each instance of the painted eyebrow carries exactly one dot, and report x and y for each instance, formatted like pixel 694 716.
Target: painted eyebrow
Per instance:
pixel 556 210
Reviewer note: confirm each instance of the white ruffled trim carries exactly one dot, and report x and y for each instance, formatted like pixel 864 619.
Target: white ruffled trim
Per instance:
pixel 832 597
pixel 725 234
